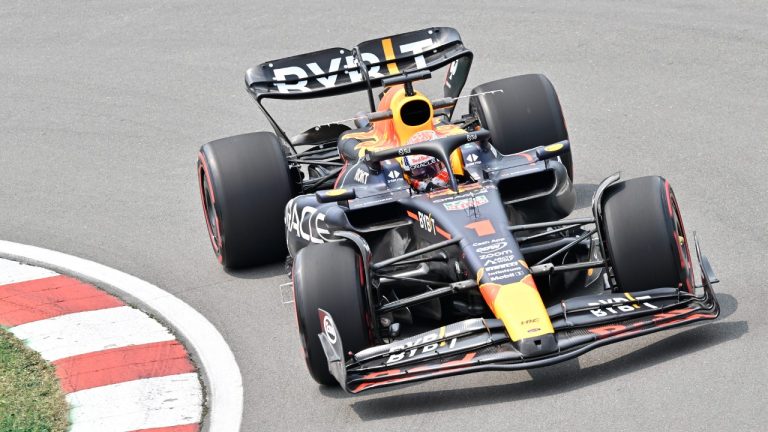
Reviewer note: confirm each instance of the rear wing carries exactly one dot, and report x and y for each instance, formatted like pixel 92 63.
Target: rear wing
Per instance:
pixel 336 71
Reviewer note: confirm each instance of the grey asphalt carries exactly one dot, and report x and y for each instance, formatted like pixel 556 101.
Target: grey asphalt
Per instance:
pixel 104 105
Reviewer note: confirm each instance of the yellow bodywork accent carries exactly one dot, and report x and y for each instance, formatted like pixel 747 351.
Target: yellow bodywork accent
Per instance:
pixel 457 162
pixel 405 132
pixel 441 334
pixel 391 133
pixel 518 305
pixel 335 192
pixel 553 147
pixel 389 54
pixel 629 297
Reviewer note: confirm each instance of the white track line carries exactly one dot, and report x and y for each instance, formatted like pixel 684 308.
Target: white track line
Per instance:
pixel 86 332
pixel 13 272
pixel 141 404
pixel 223 380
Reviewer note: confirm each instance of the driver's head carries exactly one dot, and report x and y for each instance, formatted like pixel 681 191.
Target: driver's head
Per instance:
pixel 424 172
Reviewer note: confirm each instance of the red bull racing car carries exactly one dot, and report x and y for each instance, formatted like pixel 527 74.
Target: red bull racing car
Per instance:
pixel 423 244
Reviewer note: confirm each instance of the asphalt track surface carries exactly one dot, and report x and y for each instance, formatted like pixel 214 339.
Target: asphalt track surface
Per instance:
pixel 103 108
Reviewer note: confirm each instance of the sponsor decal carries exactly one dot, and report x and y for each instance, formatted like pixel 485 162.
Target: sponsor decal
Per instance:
pixel 418 161
pixel 506 270
pixel 329 329
pixel 477 187
pixel 491 247
pixel 326 77
pixel 515 275
pixel 482 228
pixel 441 193
pixel 498 253
pixel 314 230
pixel 485 242
pixel 497 267
pixel 427 223
pixel 499 260
pixel 393 175
pixel 465 203
pixel 405 351
pixel 462 195
pixel 422 136
pixel 619 305
pixel 451 73
pixel 361 176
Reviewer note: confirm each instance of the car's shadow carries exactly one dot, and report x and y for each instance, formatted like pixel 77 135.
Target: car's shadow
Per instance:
pixel 584 193
pixel 555 379
pixel 261 272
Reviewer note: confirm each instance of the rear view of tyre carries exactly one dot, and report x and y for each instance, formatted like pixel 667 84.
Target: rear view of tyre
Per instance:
pixel 330 277
pixel 644 236
pixel 244 186
pixel 526 114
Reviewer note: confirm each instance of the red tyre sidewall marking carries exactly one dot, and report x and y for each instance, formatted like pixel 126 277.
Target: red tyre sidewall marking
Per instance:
pixel 684 253
pixel 216 241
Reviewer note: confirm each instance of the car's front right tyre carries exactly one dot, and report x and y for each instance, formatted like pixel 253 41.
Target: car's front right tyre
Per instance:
pixel 244 186
pixel 643 231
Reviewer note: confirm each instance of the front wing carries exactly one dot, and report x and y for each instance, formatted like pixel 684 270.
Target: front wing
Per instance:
pixel 581 324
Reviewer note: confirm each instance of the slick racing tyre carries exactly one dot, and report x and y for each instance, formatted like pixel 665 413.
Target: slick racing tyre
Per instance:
pixel 329 276
pixel 644 236
pixel 245 185
pixel 526 114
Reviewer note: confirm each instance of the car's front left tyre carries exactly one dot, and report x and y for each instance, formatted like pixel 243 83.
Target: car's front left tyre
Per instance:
pixel 330 276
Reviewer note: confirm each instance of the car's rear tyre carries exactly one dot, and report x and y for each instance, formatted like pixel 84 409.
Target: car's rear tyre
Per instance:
pixel 244 186
pixel 645 237
pixel 525 115
pixel 329 276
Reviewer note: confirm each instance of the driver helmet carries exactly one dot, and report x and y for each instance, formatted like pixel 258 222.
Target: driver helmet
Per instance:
pixel 424 172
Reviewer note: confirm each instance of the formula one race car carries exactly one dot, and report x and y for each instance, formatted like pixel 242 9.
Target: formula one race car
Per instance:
pixel 423 246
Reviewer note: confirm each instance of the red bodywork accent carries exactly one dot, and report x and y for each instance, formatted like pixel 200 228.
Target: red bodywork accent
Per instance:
pixel 438 370
pixel 341 174
pixel 660 320
pixel 482 228
pixel 443 232
pixel 489 292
